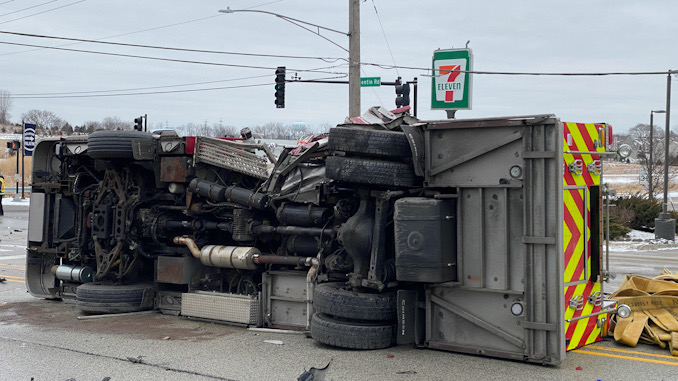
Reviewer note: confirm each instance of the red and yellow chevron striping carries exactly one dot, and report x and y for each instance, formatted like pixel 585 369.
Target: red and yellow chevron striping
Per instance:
pixel 582 170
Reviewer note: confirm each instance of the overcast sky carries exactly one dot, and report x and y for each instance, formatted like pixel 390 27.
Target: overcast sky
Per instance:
pixel 517 36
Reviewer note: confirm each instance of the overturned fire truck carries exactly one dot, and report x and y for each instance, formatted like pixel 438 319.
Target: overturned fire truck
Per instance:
pixel 481 236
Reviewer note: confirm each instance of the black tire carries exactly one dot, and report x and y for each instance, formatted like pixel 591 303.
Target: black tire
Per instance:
pixel 333 299
pixel 365 141
pixel 114 144
pixel 372 172
pixel 108 299
pixel 355 335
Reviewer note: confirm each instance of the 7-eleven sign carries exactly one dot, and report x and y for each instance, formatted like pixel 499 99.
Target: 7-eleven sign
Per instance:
pixel 451 82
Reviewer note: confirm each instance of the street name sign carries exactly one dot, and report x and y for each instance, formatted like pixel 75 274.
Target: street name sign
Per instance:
pixel 370 81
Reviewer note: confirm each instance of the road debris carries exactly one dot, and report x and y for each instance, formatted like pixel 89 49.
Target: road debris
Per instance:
pixel 315 374
pixel 276 342
pixel 124 314
pixel 136 360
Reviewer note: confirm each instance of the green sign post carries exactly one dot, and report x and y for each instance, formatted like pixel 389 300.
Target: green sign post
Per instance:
pixel 451 85
pixel 370 81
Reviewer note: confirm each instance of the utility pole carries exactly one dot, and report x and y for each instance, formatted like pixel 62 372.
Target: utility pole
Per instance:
pixel 354 58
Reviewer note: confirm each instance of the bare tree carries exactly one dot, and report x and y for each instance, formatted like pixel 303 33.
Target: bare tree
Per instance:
pixel 224 131
pixel 46 122
pixel 639 139
pixel 115 123
pixel 5 106
pixel 272 131
pixel 322 128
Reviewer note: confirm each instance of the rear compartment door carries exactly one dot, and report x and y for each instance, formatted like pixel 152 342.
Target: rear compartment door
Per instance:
pixel 507 176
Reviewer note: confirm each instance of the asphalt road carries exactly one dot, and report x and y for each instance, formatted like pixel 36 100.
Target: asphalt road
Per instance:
pixel 45 340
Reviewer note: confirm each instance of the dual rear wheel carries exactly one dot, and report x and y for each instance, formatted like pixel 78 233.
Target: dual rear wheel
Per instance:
pixel 350 319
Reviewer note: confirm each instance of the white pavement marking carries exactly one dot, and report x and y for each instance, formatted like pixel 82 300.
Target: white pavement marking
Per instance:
pixel 13 257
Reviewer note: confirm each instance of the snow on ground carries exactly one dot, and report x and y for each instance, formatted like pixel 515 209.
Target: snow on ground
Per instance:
pixel 10 201
pixel 638 240
pixel 621 179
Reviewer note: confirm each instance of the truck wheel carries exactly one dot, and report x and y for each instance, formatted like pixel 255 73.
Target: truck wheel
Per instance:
pixel 108 299
pixel 372 172
pixel 333 299
pixel 382 143
pixel 349 334
pixel 114 144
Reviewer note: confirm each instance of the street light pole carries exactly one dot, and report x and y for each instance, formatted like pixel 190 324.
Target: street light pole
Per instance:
pixel 353 46
pixel 354 58
pixel 665 226
pixel 667 136
pixel 650 187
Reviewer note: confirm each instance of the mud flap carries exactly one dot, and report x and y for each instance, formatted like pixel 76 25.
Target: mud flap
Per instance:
pixel 411 318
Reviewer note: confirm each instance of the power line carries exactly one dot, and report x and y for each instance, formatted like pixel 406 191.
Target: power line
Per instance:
pixel 80 40
pixel 142 30
pixel 39 13
pixel 25 9
pixel 142 93
pixel 123 34
pixel 382 66
pixel 168 59
pixel 149 92
pixel 140 88
pixel 385 38
pixel 485 72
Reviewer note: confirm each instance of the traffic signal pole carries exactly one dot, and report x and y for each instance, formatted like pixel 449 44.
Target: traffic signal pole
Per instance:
pixel 16 177
pixel 23 174
pixel 383 83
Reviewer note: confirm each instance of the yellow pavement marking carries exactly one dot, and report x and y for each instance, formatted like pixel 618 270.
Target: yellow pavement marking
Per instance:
pixel 12 266
pixel 12 277
pixel 14 281
pixel 630 351
pixel 675 363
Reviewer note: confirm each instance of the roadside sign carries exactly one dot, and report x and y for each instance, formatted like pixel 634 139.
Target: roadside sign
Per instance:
pixel 29 139
pixel 642 176
pixel 451 85
pixel 370 81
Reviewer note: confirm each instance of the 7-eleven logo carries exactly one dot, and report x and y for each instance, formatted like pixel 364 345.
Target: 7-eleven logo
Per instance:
pixel 449 84
pixel 453 71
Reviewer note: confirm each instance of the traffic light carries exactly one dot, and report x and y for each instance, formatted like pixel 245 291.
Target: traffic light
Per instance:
pixel 280 87
pixel 138 123
pixel 14 145
pixel 402 93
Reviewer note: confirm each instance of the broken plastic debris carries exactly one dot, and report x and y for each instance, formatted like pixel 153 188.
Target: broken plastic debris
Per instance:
pixel 315 374
pixel 136 360
pixel 579 368
pixel 389 356
pixel 276 342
